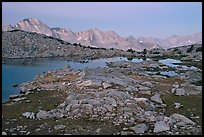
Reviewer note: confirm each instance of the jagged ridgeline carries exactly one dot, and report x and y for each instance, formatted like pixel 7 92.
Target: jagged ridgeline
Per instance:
pixel 104 39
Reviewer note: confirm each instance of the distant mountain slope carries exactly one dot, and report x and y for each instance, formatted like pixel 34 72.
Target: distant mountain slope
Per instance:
pixel 108 39
pixel 142 42
pixel 176 41
pixel 23 44
pixel 64 34
pixel 98 38
pixel 7 28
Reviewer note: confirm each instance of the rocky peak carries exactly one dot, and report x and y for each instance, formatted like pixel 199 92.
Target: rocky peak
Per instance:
pixel 112 33
pixel 62 30
pixel 130 37
pixel 95 30
pixel 28 22
pixel 31 20
pixel 34 25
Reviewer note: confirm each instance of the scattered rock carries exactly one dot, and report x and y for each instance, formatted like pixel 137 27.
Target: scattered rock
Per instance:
pixel 156 98
pixel 131 89
pixel 111 101
pixel 13 96
pixel 169 121
pixel 23 88
pixel 98 130
pixel 56 114
pixel 160 126
pixel 28 101
pixel 125 133
pixel 178 105
pixel 86 83
pixel 175 86
pixel 19 99
pixel 148 84
pixel 106 85
pixel 4 133
pixel 199 88
pixel 159 77
pixel 29 115
pixel 143 88
pixel 28 133
pixel 87 109
pixel 147 92
pixel 120 94
pixel 140 128
pixel 67 134
pixel 125 128
pixel 12 120
pixel 173 90
pixel 22 131
pixel 180 92
pixel 149 116
pixel 38 129
pixel 144 103
pixel 142 100
pixel 59 127
pixel 42 114
pixel 93 102
pixel 182 120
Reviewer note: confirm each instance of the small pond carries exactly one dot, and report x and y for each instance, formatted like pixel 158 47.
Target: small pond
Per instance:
pixel 170 63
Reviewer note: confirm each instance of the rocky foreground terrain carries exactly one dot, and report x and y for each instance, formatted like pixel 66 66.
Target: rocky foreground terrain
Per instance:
pixel 125 98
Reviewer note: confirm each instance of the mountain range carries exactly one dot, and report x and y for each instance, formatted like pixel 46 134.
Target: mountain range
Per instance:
pixel 104 39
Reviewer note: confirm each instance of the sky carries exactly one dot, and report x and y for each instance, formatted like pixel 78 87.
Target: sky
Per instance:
pixel 148 19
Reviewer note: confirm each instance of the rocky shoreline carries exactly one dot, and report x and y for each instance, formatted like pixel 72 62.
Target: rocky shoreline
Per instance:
pixel 124 94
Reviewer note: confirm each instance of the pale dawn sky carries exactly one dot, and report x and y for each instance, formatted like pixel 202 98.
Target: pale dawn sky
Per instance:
pixel 148 19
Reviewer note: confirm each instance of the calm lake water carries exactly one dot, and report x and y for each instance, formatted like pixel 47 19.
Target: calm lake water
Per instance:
pixel 17 73
pixel 170 63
